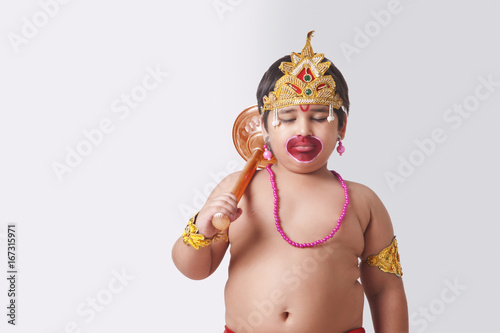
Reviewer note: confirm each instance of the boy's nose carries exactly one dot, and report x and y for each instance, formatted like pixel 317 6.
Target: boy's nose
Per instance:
pixel 304 128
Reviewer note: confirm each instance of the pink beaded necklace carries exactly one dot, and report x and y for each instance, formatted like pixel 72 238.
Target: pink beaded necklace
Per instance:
pixel 277 218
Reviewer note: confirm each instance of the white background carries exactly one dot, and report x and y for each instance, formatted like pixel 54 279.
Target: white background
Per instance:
pixel 123 206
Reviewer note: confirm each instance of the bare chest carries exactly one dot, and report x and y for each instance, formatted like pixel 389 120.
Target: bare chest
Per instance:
pixel 304 215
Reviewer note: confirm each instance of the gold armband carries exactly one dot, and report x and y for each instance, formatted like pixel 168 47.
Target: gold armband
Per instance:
pixel 387 260
pixel 191 235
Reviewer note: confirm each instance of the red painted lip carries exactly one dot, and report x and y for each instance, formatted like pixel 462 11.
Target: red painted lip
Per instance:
pixel 304 148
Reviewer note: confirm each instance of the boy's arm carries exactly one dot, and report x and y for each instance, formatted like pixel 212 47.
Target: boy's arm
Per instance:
pixel 200 263
pixel 384 291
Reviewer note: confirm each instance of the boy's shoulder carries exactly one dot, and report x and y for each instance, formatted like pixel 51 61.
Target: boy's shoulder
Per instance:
pixel 226 184
pixel 374 218
pixel 232 176
pixel 361 192
pixel 366 202
pixel 228 181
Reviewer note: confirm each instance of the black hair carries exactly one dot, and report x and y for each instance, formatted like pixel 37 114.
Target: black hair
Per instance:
pixel 273 74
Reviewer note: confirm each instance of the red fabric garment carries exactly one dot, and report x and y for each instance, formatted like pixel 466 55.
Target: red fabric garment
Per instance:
pixel 357 330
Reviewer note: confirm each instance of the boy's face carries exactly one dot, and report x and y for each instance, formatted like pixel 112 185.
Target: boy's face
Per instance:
pixel 304 140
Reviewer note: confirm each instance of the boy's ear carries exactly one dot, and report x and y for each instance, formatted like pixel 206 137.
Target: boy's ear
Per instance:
pixel 343 128
pixel 262 128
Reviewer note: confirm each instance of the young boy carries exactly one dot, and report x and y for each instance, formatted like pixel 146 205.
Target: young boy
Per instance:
pixel 298 231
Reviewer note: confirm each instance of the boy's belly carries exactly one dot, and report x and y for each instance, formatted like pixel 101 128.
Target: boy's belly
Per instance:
pixel 275 288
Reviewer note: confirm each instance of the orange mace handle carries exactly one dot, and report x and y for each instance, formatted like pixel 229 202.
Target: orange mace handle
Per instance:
pixel 221 221
pixel 248 141
pixel 247 173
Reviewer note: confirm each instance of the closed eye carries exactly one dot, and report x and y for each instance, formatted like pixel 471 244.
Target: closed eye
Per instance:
pixel 319 119
pixel 287 120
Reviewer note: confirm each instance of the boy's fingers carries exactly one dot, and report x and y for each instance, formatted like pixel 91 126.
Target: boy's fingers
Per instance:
pixel 223 207
pixel 223 204
pixel 229 199
pixel 230 196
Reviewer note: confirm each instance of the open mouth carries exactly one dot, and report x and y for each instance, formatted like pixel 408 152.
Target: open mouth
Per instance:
pixel 304 149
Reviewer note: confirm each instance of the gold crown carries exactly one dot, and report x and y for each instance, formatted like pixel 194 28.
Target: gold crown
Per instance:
pixel 304 82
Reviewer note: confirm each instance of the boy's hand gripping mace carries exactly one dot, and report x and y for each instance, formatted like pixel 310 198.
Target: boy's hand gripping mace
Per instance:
pixel 248 141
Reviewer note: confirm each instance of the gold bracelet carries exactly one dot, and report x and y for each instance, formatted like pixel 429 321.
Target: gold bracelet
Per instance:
pixel 191 235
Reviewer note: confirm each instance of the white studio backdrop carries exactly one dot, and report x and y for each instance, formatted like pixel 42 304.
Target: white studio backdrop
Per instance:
pixel 115 124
